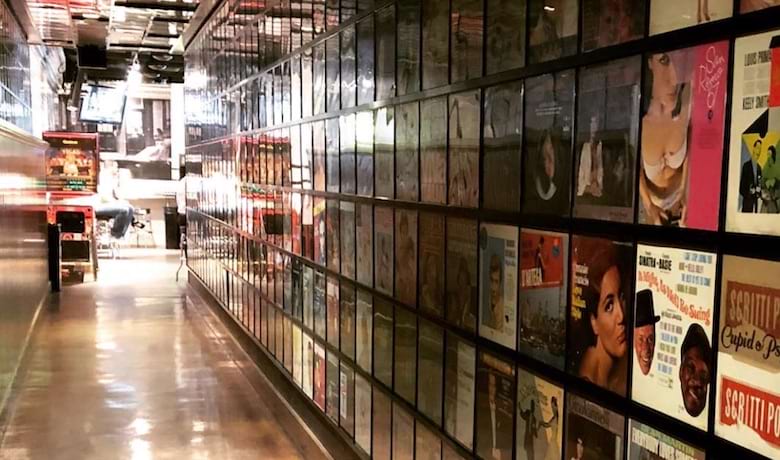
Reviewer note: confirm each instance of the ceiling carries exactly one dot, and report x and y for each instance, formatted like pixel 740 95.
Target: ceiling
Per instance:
pixel 148 32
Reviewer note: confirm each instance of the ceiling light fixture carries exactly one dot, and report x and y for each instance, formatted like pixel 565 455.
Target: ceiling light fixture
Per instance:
pixel 549 8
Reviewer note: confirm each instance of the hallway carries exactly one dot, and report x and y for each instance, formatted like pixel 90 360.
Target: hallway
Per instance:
pixel 130 367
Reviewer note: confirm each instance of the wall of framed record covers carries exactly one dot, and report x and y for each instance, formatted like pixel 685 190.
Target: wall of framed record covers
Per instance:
pixel 500 228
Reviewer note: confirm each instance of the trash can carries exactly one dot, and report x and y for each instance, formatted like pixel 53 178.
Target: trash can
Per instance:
pixel 172 232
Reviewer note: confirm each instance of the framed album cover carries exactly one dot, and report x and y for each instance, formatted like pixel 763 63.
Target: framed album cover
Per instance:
pixel 433 150
pixel 347 323
pixel 495 407
pixel 592 431
pixel 406 256
pixel 364 136
pixel 430 370
pixel 383 249
pixel 364 330
pixel 383 342
pixel 348 67
pixel 539 431
pixel 435 44
pixel 466 37
pixel 405 356
pixel 407 47
pixel 552 29
pixel 463 149
pixel 505 48
pixel 431 275
pixel 407 152
pixel 346 144
pixel 384 151
pixel 461 284
pixel 502 132
pixel 645 441
pixel 498 252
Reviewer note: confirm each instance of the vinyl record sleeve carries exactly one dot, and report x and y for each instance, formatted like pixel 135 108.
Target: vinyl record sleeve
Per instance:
pixel 333 311
pixel 435 44
pixel 611 22
pixel 667 15
pixel 332 74
pixel 332 388
pixel 502 131
pixel 552 29
pixel 318 150
pixel 599 431
pixel 495 407
pixel 433 150
pixel 348 67
pixel 459 390
pixel 364 236
pixel 505 41
pixel 674 315
pixel 384 146
pixel 408 47
pixel 385 53
pixel 544 273
pixel 432 268
pixel 332 232
pixel 347 399
pixel 297 352
pixel 383 342
pixel 498 259
pixel 365 61
pixel 746 6
pixel 463 149
pixel 346 143
pixel 753 197
pixel 307 370
pixel 347 233
pixel 405 356
pixel 320 306
pixel 364 131
pixel 748 355
pixel 682 188
pixel 288 343
pixel 319 375
pixel 645 441
pixel 466 23
pixel 406 256
pixel 539 433
pixel 607 140
pixel 363 413
pixel 308 297
pixel 347 326
pixel 406 152
pixel 364 330
pixel 462 290
pixel 431 371
pixel 318 71
pixel 599 316
pixel 332 154
pixel 549 124
pixel 383 249
pixel 403 433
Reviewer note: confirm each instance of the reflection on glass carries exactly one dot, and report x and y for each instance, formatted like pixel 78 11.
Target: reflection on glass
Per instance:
pixel 466 40
pixel 408 51
pixel 385 53
pixel 348 83
pixel 435 43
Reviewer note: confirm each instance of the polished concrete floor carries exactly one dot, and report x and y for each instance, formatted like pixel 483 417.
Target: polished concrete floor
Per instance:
pixel 131 367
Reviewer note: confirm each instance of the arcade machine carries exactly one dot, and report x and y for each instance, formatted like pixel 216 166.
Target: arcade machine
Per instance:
pixel 71 173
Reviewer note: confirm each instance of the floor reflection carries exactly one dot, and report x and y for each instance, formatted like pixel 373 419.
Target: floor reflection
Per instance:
pixel 124 368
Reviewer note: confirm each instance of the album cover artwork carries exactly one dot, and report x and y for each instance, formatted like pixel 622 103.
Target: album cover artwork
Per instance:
pixel 333 311
pixel 435 43
pixel 667 15
pixel 332 74
pixel 307 369
pixel 449 453
pixel 383 249
pixel 383 342
pixel 382 428
pixel 347 399
pixel 746 6
pixel 685 116
pixel 406 152
pixel 320 308
pixel 363 413
pixel 364 230
pixel 365 61
pixel 431 275
pixel 408 47
pixel 505 41
pixel 308 297
pixel 673 318
pixel 347 233
pixel 332 389
pixel 462 290
pixel 348 66
pixel 645 442
pixel 318 154
pixel 433 150
pixel 307 83
pixel 319 375
pixel 385 53
pixel 346 144
pixel 297 293
pixel 592 431
pixel 297 354
pixel 463 152
pixel 427 443
pixel 288 343
pixel 307 228
pixel 405 357
pixel 611 22
pixel 539 418
pixel 403 433
pixel 602 274
pixel 332 239
pixel 549 119
pixel 364 137
pixel 431 372
pixel 406 256
pixel 748 355
pixel 607 139
pixel 466 22
pixel 753 197
pixel 495 407
pixel 384 145
pixel 544 271
pixel 502 131
pixel 332 160
pixel 553 29
pixel 365 316
pixel 498 279
pixel 347 326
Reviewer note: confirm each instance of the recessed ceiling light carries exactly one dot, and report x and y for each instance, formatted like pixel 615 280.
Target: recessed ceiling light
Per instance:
pixel 549 8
